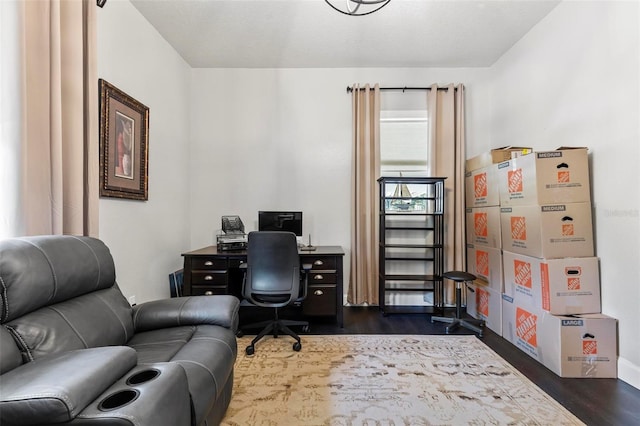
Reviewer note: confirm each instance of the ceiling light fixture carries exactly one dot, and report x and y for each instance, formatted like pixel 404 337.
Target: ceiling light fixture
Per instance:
pixel 358 7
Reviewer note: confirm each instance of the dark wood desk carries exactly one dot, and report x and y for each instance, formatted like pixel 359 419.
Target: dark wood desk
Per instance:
pixel 208 271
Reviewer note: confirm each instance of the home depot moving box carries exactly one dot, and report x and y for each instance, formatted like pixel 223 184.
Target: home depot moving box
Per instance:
pixel 486 263
pixel 549 231
pixel 560 176
pixel 485 303
pixel 481 187
pixel 483 226
pixel 570 346
pixel 563 286
pixel 496 155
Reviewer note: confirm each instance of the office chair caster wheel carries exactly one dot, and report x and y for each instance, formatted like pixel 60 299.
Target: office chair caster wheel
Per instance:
pixel 239 333
pixel 250 350
pixel 297 346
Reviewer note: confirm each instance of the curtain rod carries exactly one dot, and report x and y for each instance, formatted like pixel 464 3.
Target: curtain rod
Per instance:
pixel 350 89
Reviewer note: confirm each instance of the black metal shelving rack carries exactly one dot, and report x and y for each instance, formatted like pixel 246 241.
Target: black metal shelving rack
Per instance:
pixel 411 250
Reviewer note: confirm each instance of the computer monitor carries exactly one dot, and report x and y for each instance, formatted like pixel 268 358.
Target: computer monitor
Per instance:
pixel 280 221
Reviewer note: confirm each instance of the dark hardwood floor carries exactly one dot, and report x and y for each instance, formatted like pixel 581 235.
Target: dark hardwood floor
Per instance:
pixel 594 401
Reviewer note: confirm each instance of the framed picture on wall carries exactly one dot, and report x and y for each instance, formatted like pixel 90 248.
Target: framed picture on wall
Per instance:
pixel 124 144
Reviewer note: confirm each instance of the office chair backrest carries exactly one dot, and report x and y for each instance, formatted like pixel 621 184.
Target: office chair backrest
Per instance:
pixel 273 269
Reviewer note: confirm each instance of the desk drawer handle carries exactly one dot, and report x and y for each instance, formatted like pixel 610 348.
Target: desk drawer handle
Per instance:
pixel 208 263
pixel 318 277
pixel 208 278
pixel 318 293
pixel 208 293
pixel 318 263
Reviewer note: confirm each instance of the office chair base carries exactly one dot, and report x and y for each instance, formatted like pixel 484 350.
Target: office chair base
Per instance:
pixel 454 323
pixel 275 328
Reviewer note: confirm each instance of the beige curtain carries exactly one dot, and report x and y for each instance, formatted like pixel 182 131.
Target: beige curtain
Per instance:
pixel 59 149
pixel 447 145
pixel 363 286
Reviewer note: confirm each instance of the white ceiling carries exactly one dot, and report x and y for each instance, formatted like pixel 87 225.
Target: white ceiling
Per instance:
pixel 309 34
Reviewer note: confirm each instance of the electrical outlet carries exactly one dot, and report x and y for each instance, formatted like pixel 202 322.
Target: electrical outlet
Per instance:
pixel 132 300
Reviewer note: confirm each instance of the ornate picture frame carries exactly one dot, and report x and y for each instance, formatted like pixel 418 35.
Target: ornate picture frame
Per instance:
pixel 124 145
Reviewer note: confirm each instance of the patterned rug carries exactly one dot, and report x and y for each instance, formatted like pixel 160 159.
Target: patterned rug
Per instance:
pixel 385 380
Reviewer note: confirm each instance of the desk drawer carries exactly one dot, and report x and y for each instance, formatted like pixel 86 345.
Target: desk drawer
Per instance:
pixel 210 278
pixel 321 300
pixel 208 263
pixel 208 290
pixel 316 278
pixel 320 262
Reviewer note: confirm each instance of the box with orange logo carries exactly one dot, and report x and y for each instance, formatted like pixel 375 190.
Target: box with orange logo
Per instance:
pixel 549 231
pixel 486 263
pixel 579 346
pixel 485 303
pixel 481 187
pixel 560 176
pixel 564 286
pixel 483 226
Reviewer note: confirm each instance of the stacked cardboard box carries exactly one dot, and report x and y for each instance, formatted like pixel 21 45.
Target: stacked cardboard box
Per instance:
pixel 580 346
pixel 484 241
pixel 550 287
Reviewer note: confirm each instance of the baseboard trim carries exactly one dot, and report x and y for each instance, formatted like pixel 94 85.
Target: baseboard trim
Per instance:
pixel 629 372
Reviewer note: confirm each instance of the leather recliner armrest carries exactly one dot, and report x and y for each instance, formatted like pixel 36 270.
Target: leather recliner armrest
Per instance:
pixel 56 388
pixel 221 310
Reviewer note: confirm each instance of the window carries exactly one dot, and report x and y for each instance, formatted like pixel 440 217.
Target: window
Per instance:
pixel 404 151
pixel 404 138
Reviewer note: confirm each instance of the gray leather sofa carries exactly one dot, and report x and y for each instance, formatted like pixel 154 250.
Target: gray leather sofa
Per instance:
pixel 73 351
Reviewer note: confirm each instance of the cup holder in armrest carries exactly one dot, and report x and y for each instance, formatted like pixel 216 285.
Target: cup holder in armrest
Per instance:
pixel 143 376
pixel 118 399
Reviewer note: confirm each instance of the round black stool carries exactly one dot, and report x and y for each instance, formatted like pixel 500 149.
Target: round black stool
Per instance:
pixel 460 278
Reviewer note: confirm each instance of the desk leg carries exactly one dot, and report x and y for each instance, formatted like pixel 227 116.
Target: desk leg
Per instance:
pixel 339 293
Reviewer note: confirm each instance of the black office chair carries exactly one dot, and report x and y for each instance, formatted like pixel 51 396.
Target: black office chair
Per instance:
pixel 460 278
pixel 274 279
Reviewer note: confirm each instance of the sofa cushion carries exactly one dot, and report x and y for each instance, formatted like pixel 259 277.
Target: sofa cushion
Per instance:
pixel 10 354
pixel 100 318
pixel 41 271
pixel 56 388
pixel 206 352
pixel 161 345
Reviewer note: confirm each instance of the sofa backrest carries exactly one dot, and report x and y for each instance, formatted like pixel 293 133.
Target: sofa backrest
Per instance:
pixel 59 293
pixel 9 353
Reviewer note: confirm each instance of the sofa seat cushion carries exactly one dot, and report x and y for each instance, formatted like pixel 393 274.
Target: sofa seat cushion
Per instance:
pixel 206 352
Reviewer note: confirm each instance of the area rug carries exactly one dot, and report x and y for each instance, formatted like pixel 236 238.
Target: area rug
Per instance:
pixel 384 380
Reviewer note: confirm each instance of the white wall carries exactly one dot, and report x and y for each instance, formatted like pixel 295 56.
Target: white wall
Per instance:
pixel 281 139
pixel 147 238
pixel 574 80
